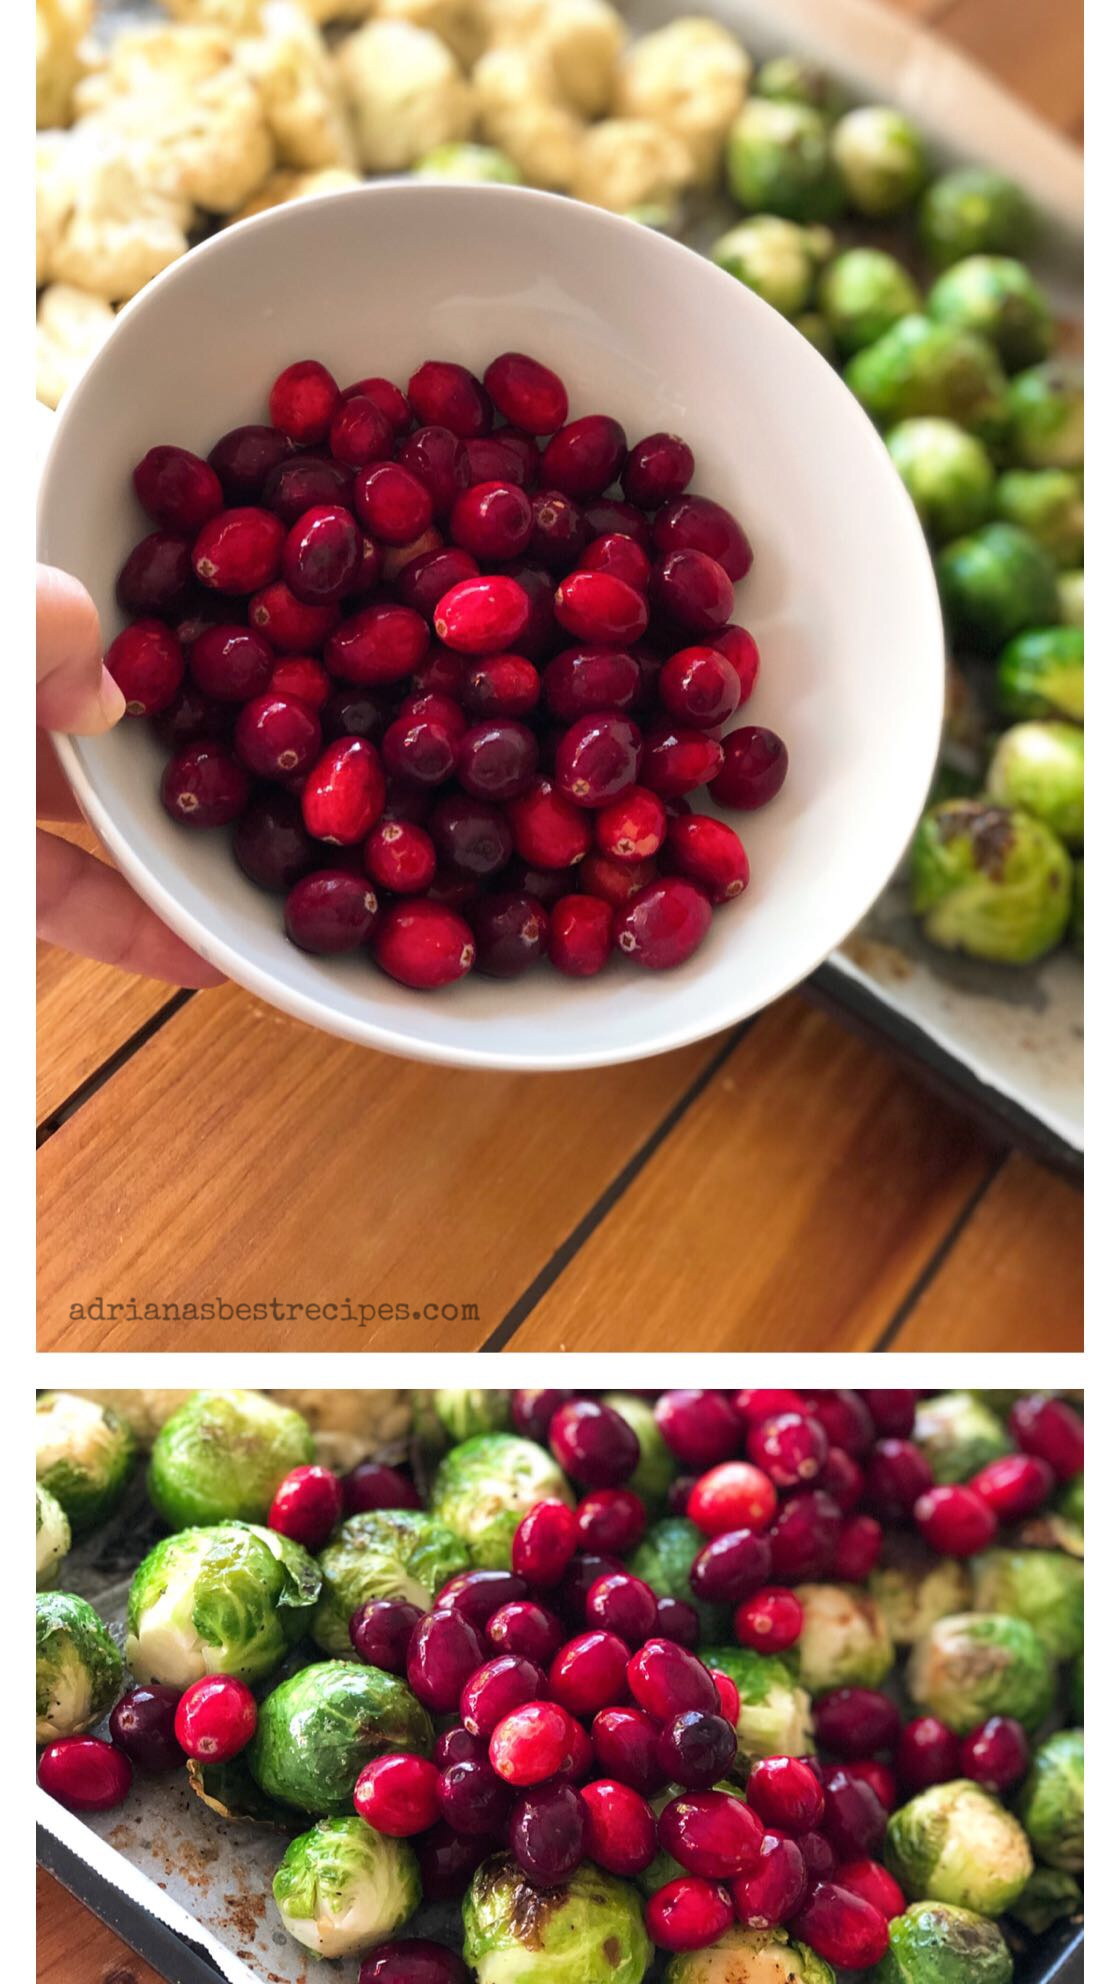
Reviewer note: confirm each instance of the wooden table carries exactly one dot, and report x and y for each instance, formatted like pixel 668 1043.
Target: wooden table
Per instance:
pixel 784 1186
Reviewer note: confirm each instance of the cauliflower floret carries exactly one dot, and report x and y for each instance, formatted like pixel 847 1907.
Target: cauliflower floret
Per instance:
pixel 295 79
pixel 118 230
pixel 692 77
pixel 580 40
pixel 457 22
pixel 520 111
pixel 628 162
pixel 236 16
pixel 323 11
pixel 153 60
pixel 280 187
pixel 60 26
pixel 406 91
pixel 71 328
pixel 52 199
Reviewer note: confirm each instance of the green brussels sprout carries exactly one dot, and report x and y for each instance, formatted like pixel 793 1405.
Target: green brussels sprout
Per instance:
pixel 222 1456
pixel 789 79
pixel 483 1488
pixel 776 258
pixel 933 1943
pixel 958 1435
pixel 992 883
pixel 814 326
pixel 881 160
pixel 994 584
pixel 948 475
pixel 972 211
pixel 778 162
pixel 751 1956
pixel 383 1553
pixel 1044 1587
pixel 1049 504
pixel 976 1664
pixel 342 1888
pixel 775 1714
pixel 83 1457
pixel 1048 1897
pixel 588 1931
pixel 1041 767
pixel 999 299
pixel 919 367
pixel 914 1589
pixel 1042 673
pixel 1071 1501
pixel 844 1639
pixel 1071 599
pixel 441 1419
pixel 230 1599
pixel 478 165
pixel 863 293
pixel 1046 416
pixel 1075 1687
pixel 657 1467
pixel 957 1843
pixel 317 1731
pixel 1051 1803
pixel 78 1671
pixel 664 1559
pixel 52 1537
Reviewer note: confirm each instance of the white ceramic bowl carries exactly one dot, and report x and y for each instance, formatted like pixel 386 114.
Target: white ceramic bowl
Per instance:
pixel 841 597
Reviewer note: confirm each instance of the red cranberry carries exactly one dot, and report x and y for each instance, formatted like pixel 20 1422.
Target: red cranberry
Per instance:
pixel 231 664
pixel 597 607
pixel 532 1412
pixel 323 555
pixel 387 398
pixel 731 1566
pixel 754 767
pixel 302 482
pixel 473 1800
pixel 483 615
pixel 178 490
pixel 204 786
pixel 418 749
pixel 741 650
pixel 710 854
pixel 303 677
pixel 439 459
pixel 540 635
pixel 873 1884
pixel 790 1447
pixel 359 432
pixel 613 881
pixel 928 1753
pixel 424 581
pixel 633 826
pixel 700 1427
pixel 579 936
pixel 330 911
pixel 502 685
pixel 291 625
pixel 589 1672
pixel 664 924
pixel 479 1594
pixel 458 1746
pixel 146 662
pixel 244 459
pixel 621 556
pixel 510 932
pixel 585 457
pixel 1014 1486
pixel 443 1653
pixel 612 1519
pixel 472 837
pixel 547 1834
pixel 892 1412
pixel 526 393
pixel 676 760
pixel 658 469
pixel 559 530
pixel 1052 1431
pixel 492 520
pixel 621 1603
pixel 608 516
pixel 497 759
pixel 666 1679
pixel 239 551
pixel 879 1777
pixel 955 1521
pixel 497 1688
pixel 597 758
pixel 582 681
pixel 594 1443
pixel 277 736
pixel 526 1629
pixel 215 1718
pixel 442 394
pixel 695 523
pixel 143 1725
pixel 532 1743
pixel 688 1914
pixel 855 1721
pixel 344 792
pixel 842 1478
pixel 307 1505
pixel 678 1621
pixel 394 504
pixel 858 1548
pixel 769 1621
pixel 491 458
pixel 447 1861
pixel 156 577
pixel 626 1745
pixel 843 1928
pixel 302 401
pixel 380 1632
pixel 621 1831
pixel 423 944
pixel 372 1485
pixel 413 1961
pixel 585 1569
pixel 696 1748
pixel 698 685
pixel 378 645
pixel 398 1795
pixel 400 857
pixel 817 1855
pixel 776 1888
pixel 762 1402
pixel 804 1535
pixel 692 591
pixel 786 1794
pixel 997 1754
pixel 897 1473
pixel 85 1774
pixel 548 830
pixel 854 1819
pixel 734 1495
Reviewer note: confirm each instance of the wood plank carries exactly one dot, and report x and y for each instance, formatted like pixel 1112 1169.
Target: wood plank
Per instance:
pixel 243 1156
pixel 1035 47
pixel 792 1208
pixel 74 1947
pixel 1014 1278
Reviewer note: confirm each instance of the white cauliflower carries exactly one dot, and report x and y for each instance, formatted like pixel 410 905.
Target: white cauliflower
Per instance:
pixel 290 65
pixel 627 162
pixel 149 61
pixel 236 16
pixel 52 199
pixel 692 77
pixel 323 11
pixel 459 23
pixel 70 329
pixel 281 187
pixel 580 40
pixel 115 231
pixel 406 91
pixel 60 26
pixel 520 110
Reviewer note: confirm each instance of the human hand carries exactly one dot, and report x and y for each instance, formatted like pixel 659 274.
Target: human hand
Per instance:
pixel 83 904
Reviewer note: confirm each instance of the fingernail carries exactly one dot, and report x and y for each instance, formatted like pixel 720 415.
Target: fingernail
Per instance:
pixel 110 700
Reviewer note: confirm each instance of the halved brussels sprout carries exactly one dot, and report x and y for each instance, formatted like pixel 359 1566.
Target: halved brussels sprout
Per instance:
pixel 992 883
pixel 1051 1803
pixel 776 258
pixel 933 1943
pixel 1041 767
pixel 317 1731
pixel 976 1664
pixel 342 1888
pixel 972 211
pixel 78 1671
pixel 383 1553
pixel 956 1843
pixel 775 1713
pixel 83 1457
pixel 881 160
pixel 223 1455
pixel 778 162
pixel 1071 599
pixel 958 1434
pixel 920 368
pixel 790 79
pixel 657 1466
pixel 948 474
pixel 230 1599
pixel 52 1538
pixel 995 583
pixel 1049 504
pixel 863 294
pixel 478 165
pixel 1042 673
pixel 999 299
pixel 483 1488
pixel 664 1560
pixel 1048 1897
pixel 914 1589
pixel 844 1639
pixel 1046 416
pixel 751 1956
pixel 590 1930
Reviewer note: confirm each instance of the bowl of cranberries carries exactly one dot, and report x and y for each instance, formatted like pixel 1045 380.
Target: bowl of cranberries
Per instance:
pixel 509 607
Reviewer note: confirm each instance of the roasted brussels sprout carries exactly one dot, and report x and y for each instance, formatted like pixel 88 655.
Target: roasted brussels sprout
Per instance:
pixel 475 164
pixel 992 883
pixel 948 474
pixel 933 1943
pixel 999 299
pixel 463 1414
pixel 862 294
pixel 342 1888
pixel 1046 416
pixel 317 1731
pixel 1051 1803
pixel 1042 673
pixel 956 1843
pixel 976 1664
pixel 914 1589
pixel 1049 503
pixel 776 258
pixel 78 1671
pixel 657 1467
pixel 775 1715
pixel 751 1956
pixel 778 162
pixel 483 1488
pixel 384 1553
pixel 972 211
pixel 52 1538
pixel 958 1435
pixel 919 367
pixel 1044 1587
pixel 83 1457
pixel 881 160
pixel 222 1456
pixel 226 1600
pixel 1041 767
pixel 789 79
pixel 1048 1897
pixel 844 1639
pixel 588 1931
pixel 664 1559
pixel 994 584
pixel 1071 599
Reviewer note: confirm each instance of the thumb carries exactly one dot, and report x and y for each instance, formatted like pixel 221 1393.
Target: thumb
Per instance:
pixel 74 690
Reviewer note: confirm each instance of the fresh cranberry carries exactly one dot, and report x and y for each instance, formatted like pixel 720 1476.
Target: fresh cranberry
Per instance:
pixel 608 516
pixel 204 786
pixel 698 685
pixel 379 644
pixel 438 458
pixel 359 432
pixel 734 1495
pixel 955 1521
pixel 688 1914
pixel 483 615
pixel 531 1412
pixel 627 1746
pixel 387 398
pixel 532 1743
pixel 896 1474
pixel 303 482
pixel 873 1884
pixel 676 760
pixel 496 759
pixel 290 624
pixel 804 1535
pixel 442 394
pixel 423 944
pixel 790 1447
pixel 307 1505
pixel 478 1594
pixel 540 634
pixel 879 1777
pixel 244 459
pixel 594 1443
pixel 709 853
pixel 544 1543
pixel 511 933
pixel 927 1753
pixel 146 662
pixel 585 1569
pixel 679 1621
pixel 547 1834
pixel 741 650
pixel 621 1603
pixel 393 503
pixel 858 1548
pixel 178 490
pixel 470 836
pixel 843 1928
pixel 730 1567
pixel 769 1621
pixel 302 400
pixel 400 857
pixel 473 1799
pixel 330 912
pixel 526 393
pixel 600 608
pixel 1052 1431
pixel 85 1774
pixel 633 826
pixel 424 581
pixel 842 1478
pixel 380 1632
pixel 143 1725
pixel 492 520
pixel 303 677
pixel 322 555
pixel 692 591
pixel 892 1412
pixel 855 1721
pixel 696 1748
pixel 597 758
pixel 413 1961
pixel 754 767
pixel 664 924
pixel 854 1819
pixel 1014 1486
pixel 502 685
pixel 666 1679
pixel 526 1629
pixel 775 1888
pixel 155 578
pixel 585 457
pixel 559 531
pixel 418 749
pixel 447 1860
pixel 581 682
pixel 786 1794
pixel 621 556
pixel 695 523
pixel 497 1688
pixel 492 458
pixel 344 792
pixel 817 1855
pixel 372 1485
pixel 277 736
pixel 766 1402
pixel 997 1754
pixel 658 469
pixel 231 664
pixel 458 1746
pixel 612 1519
pixel 700 1427
pixel 215 1718
pixel 444 1651
pixel 589 1672
pixel 613 881
pixel 398 1795
pixel 239 551
pixel 621 1831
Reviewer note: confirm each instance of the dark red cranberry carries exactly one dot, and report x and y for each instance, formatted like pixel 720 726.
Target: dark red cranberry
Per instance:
pixel 478 1594
pixel 414 1961
pixel 372 1485
pixel 858 1548
pixel 754 767
pixel 879 1777
pixel 359 432
pixel 843 1928
pixel 678 1621
pixel 473 1799
pixel 856 1721
pixel 597 758
pixel 621 556
pixel 786 1794
pixel 664 924
pixel 330 912
pixel 302 400
pixel 891 1411
pixel 143 1725
pixel 689 1913
pixel 1052 1431
pixel 842 1478
pixel 156 577
pixel 741 650
pixel 769 1621
pixel 510 933
pixel 378 645
pixel 955 1521
pixel 601 609
pixel 303 482
pixel 239 551
pixel 387 398
pixel 525 1628
pixel 457 1746
pixel 547 1833
pixel 621 1603
pixel 492 520
pixel 585 457
pixel 146 663
pixel 675 760
pixel 418 749
pixel 290 624
pixel 85 1774
pixel 582 681
pixel 532 1412
pixel 817 1855
pixel 540 636
pixel 585 1570
pixel 845 1419
pixel 496 760
pixel 711 1833
pixel 438 458
pixel 872 1884
pixel 322 555
pixel 548 830
pixel 355 713
pixel 607 516
pixel 231 664
pixel 381 1630
pixel 394 504
pixel 447 1860
pixel 692 591
pixel 178 490
pixel 695 523
pixel 443 394
pixel 559 531
pixel 344 792
pixel 854 1820
pixel 215 1718
pixel 424 581
pixel 621 1831
pixel 804 1535
pixel 790 1447
pixel 612 1519
pixel 658 469
pixel 471 836
pixel 502 685
pixel 594 1443
pixel 997 1754
pixel 490 458
pixel 697 1748
pixel 927 1753
pixel 666 1679
pixel 204 786
pixel 776 1887
pixel 699 1426
pixel 277 737
pixel 698 685
pixel 244 459
pixel 307 1505
pixel 1014 1486
pixel 896 1474
pixel 731 1566
pixel 443 1653
pixel 526 393
pixel 625 1741
pixel 497 1688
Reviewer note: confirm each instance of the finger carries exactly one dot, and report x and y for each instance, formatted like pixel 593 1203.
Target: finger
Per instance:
pixel 84 906
pixel 53 797
pixel 75 692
